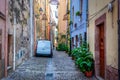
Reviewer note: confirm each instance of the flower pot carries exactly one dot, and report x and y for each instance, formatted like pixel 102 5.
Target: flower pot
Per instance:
pixel 88 73
pixel 73 58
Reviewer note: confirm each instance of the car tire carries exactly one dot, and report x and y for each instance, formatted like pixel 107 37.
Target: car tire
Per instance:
pixel 51 55
pixel 36 55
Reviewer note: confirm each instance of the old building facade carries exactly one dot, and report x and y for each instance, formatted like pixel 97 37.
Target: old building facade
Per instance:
pixel 42 13
pixel 62 25
pixel 78 22
pixel 103 37
pixel 19 32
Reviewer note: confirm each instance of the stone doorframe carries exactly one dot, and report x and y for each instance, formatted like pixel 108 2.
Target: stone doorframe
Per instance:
pixel 98 21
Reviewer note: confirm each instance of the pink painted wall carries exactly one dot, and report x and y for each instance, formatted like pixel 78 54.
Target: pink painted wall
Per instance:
pixel 2 6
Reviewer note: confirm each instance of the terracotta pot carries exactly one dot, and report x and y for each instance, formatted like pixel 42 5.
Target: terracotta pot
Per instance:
pixel 73 58
pixel 88 74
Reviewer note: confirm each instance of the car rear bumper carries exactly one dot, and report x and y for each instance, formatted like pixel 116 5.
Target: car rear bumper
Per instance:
pixel 40 54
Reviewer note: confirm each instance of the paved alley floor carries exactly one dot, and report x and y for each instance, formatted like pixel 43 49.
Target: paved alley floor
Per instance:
pixel 60 67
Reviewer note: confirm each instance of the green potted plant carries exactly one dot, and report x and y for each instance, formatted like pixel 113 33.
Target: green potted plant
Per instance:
pixel 75 53
pixel 78 13
pixel 85 63
pixel 84 60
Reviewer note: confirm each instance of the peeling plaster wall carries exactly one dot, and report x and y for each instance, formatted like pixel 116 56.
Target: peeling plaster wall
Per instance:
pixel 22 28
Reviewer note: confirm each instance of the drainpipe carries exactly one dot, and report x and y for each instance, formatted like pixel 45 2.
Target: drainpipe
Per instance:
pixel 14 46
pixel 86 17
pixel 70 29
pixel 31 28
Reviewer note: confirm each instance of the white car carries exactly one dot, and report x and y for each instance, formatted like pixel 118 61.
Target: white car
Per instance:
pixel 44 47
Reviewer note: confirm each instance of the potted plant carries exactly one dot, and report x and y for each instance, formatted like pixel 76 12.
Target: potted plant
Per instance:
pixel 78 13
pixel 85 60
pixel 85 63
pixel 75 53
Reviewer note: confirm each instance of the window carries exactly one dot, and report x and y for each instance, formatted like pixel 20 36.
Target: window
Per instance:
pixel 73 14
pixel 73 11
pixel 80 39
pixel 85 36
pixel 72 42
pixel 0 44
pixel 81 4
pixel 76 40
pixel 75 25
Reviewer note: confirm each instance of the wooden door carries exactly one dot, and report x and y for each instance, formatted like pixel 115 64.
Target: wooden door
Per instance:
pixel 101 47
pixel 9 49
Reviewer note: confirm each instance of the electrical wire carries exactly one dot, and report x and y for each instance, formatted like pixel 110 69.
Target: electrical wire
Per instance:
pixel 96 13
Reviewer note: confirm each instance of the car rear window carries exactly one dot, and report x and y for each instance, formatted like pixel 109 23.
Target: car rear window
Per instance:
pixel 44 44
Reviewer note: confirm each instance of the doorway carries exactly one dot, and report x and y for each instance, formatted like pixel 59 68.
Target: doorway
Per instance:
pixel 9 56
pixel 100 47
pixel 101 51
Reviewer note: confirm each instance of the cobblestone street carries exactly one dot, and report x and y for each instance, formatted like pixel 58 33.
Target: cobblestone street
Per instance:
pixel 60 67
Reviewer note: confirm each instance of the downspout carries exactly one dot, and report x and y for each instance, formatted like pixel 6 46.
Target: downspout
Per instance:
pixel 31 28
pixel 14 46
pixel 70 29
pixel 118 39
pixel 86 17
pixel 67 24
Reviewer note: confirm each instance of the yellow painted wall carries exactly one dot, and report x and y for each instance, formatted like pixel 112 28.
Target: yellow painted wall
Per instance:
pixel 111 29
pixel 40 24
pixel 61 12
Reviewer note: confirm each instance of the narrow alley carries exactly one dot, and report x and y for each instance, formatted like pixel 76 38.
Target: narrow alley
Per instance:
pixel 60 67
pixel 80 39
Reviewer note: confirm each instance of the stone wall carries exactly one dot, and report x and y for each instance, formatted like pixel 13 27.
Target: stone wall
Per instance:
pixel 20 10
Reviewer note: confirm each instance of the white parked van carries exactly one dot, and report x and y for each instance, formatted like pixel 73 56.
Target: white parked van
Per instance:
pixel 44 47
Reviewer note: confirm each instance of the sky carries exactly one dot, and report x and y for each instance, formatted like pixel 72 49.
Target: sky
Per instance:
pixel 54 12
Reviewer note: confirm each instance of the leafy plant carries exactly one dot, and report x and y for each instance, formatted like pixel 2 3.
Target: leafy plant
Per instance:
pixel 83 57
pixel 78 13
pixel 61 47
pixel 75 52
pixel 85 63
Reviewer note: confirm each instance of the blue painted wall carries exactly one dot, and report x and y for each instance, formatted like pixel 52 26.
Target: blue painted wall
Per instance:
pixel 81 21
